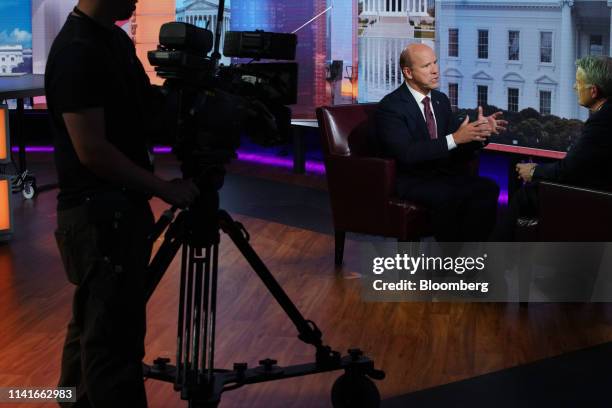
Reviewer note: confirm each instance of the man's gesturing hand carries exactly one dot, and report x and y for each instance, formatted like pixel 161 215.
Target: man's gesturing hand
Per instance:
pixel 496 123
pixel 477 131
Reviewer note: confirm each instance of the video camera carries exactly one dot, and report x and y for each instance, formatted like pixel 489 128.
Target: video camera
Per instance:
pixel 211 105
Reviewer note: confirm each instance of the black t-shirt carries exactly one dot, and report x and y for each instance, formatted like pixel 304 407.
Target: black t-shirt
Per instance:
pixel 92 66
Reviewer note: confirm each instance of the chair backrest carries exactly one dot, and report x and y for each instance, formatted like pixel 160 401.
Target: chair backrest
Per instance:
pixel 347 129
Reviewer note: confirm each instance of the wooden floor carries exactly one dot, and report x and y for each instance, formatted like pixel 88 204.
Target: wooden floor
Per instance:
pixel 419 345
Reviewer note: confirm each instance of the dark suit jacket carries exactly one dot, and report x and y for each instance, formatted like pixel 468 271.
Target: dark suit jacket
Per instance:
pixel 589 161
pixel 401 134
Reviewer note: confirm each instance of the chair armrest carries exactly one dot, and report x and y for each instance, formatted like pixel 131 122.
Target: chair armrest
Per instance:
pixel 374 175
pixel 360 188
pixel 570 213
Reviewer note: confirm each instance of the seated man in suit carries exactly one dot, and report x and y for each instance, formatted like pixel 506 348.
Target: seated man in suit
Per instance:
pixel 416 127
pixel 588 162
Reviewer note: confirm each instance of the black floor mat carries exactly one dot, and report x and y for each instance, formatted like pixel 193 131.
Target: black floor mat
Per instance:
pixel 578 379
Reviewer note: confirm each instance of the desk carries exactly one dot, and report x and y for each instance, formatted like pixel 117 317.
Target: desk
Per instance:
pixel 299 127
pixel 20 87
pixel 525 151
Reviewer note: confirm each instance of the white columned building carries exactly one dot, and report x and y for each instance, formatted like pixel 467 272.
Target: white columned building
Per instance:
pixel 395 8
pixel 517 55
pixel 10 57
pixel 567 58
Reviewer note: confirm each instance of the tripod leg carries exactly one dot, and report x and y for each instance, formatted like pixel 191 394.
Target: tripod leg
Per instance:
pixel 212 312
pixel 308 331
pixel 188 321
pixel 173 240
pixel 181 314
pixel 200 304
pixel 205 312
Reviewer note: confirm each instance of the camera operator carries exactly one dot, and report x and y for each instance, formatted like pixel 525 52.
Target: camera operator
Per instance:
pixel 99 101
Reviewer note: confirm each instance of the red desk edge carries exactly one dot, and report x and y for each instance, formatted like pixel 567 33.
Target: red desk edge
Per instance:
pixel 527 151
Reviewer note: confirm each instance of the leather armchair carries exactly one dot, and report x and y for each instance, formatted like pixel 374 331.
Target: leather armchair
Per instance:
pixel 362 186
pixel 566 214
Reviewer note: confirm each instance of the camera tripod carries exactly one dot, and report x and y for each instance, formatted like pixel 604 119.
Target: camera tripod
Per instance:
pixel 197 232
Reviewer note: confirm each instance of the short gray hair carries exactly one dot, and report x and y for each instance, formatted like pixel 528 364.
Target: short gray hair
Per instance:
pixel 598 72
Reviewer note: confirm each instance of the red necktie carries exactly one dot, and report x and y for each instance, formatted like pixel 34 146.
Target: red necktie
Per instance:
pixel 429 119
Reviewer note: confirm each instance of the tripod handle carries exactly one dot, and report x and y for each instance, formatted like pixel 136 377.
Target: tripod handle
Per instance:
pixel 161 224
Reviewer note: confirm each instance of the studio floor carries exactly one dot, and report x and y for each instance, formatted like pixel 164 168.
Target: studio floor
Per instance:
pixel 418 345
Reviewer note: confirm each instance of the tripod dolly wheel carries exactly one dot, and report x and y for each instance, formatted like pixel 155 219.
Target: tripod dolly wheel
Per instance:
pixel 352 390
pixel 29 190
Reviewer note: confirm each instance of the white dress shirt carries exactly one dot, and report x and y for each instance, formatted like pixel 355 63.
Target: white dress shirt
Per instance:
pixel 419 99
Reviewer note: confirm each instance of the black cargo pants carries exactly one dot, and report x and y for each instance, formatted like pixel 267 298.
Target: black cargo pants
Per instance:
pixel 105 252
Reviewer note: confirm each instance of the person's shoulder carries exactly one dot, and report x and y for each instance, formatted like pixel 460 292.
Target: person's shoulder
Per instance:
pixel 601 118
pixel 606 111
pixel 74 38
pixel 392 98
pixel 81 31
pixel 438 95
pixel 120 34
pixel 72 57
pixel 77 51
